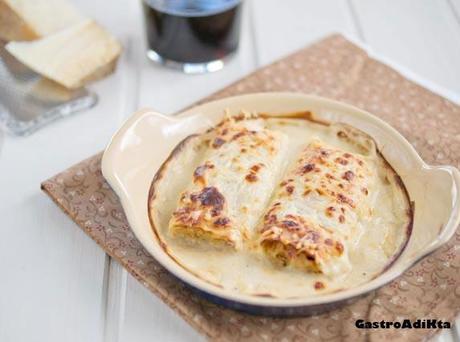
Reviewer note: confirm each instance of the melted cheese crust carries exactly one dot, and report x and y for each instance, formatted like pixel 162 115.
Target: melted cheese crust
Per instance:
pixel 316 210
pixel 232 184
pixel 372 229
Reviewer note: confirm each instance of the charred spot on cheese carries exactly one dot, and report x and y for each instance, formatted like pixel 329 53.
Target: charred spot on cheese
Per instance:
pixel 312 236
pixel 307 192
pixel 211 197
pixel 286 181
pixel 348 175
pixel 222 221
pixel 341 161
pixel 289 224
pixel 218 142
pixel 365 191
pixel 308 167
pixel 289 189
pixel 182 215
pixel 320 191
pixel 310 257
pixel 330 211
pixel 342 134
pixel 270 219
pixel 251 177
pixel 222 123
pixel 339 247
pixel 198 174
pixel 256 167
pixel 341 218
pixel 239 135
pixel 344 199
pixel 319 285
pixel 329 176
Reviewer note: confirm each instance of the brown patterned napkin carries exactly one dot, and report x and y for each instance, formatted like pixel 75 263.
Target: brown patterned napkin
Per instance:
pixel 334 68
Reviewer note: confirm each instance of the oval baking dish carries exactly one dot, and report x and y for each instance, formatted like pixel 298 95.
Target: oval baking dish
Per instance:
pixel 147 138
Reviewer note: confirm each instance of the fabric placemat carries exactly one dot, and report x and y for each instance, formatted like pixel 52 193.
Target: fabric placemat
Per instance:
pixel 334 68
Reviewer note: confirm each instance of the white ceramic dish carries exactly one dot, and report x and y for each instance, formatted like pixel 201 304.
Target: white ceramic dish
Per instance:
pixel 147 138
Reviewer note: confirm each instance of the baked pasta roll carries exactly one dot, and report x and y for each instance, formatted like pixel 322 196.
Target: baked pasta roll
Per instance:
pixel 232 185
pixel 315 214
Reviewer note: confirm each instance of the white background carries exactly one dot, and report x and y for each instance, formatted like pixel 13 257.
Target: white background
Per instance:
pixel 56 284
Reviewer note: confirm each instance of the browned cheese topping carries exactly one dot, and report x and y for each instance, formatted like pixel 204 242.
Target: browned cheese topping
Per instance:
pixel 211 207
pixel 324 180
pixel 208 202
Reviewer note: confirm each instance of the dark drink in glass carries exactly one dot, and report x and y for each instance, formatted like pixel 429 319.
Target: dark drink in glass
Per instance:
pixel 193 35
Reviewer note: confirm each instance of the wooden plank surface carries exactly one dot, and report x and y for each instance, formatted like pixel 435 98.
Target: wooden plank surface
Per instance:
pixel 57 284
pixel 422 35
pixel 280 30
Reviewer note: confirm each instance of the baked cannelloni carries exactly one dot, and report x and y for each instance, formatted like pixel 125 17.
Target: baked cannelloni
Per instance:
pixel 315 214
pixel 232 185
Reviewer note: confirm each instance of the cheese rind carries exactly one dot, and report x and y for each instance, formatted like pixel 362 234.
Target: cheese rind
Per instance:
pixel 33 19
pixel 72 57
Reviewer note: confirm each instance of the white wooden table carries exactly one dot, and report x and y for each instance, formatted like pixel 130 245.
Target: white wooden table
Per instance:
pixel 56 283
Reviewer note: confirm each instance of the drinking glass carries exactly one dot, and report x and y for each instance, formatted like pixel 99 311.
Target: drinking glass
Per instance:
pixel 195 36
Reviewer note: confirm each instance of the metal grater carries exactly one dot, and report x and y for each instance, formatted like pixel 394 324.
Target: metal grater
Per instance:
pixel 29 101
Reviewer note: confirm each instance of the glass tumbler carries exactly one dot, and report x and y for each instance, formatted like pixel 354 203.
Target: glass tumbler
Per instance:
pixel 195 36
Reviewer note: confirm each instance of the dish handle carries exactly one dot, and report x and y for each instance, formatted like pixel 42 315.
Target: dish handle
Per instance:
pixel 449 229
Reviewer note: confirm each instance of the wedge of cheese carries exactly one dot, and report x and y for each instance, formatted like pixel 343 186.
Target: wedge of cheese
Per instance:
pixel 32 19
pixel 73 57
pixel 232 185
pixel 314 217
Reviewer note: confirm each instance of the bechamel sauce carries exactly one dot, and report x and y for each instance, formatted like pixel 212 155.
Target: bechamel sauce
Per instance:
pixel 250 272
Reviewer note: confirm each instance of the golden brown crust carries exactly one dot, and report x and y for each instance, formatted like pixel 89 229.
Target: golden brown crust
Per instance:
pixel 202 215
pixel 333 211
pixel 292 240
pixel 321 174
pixel 203 211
